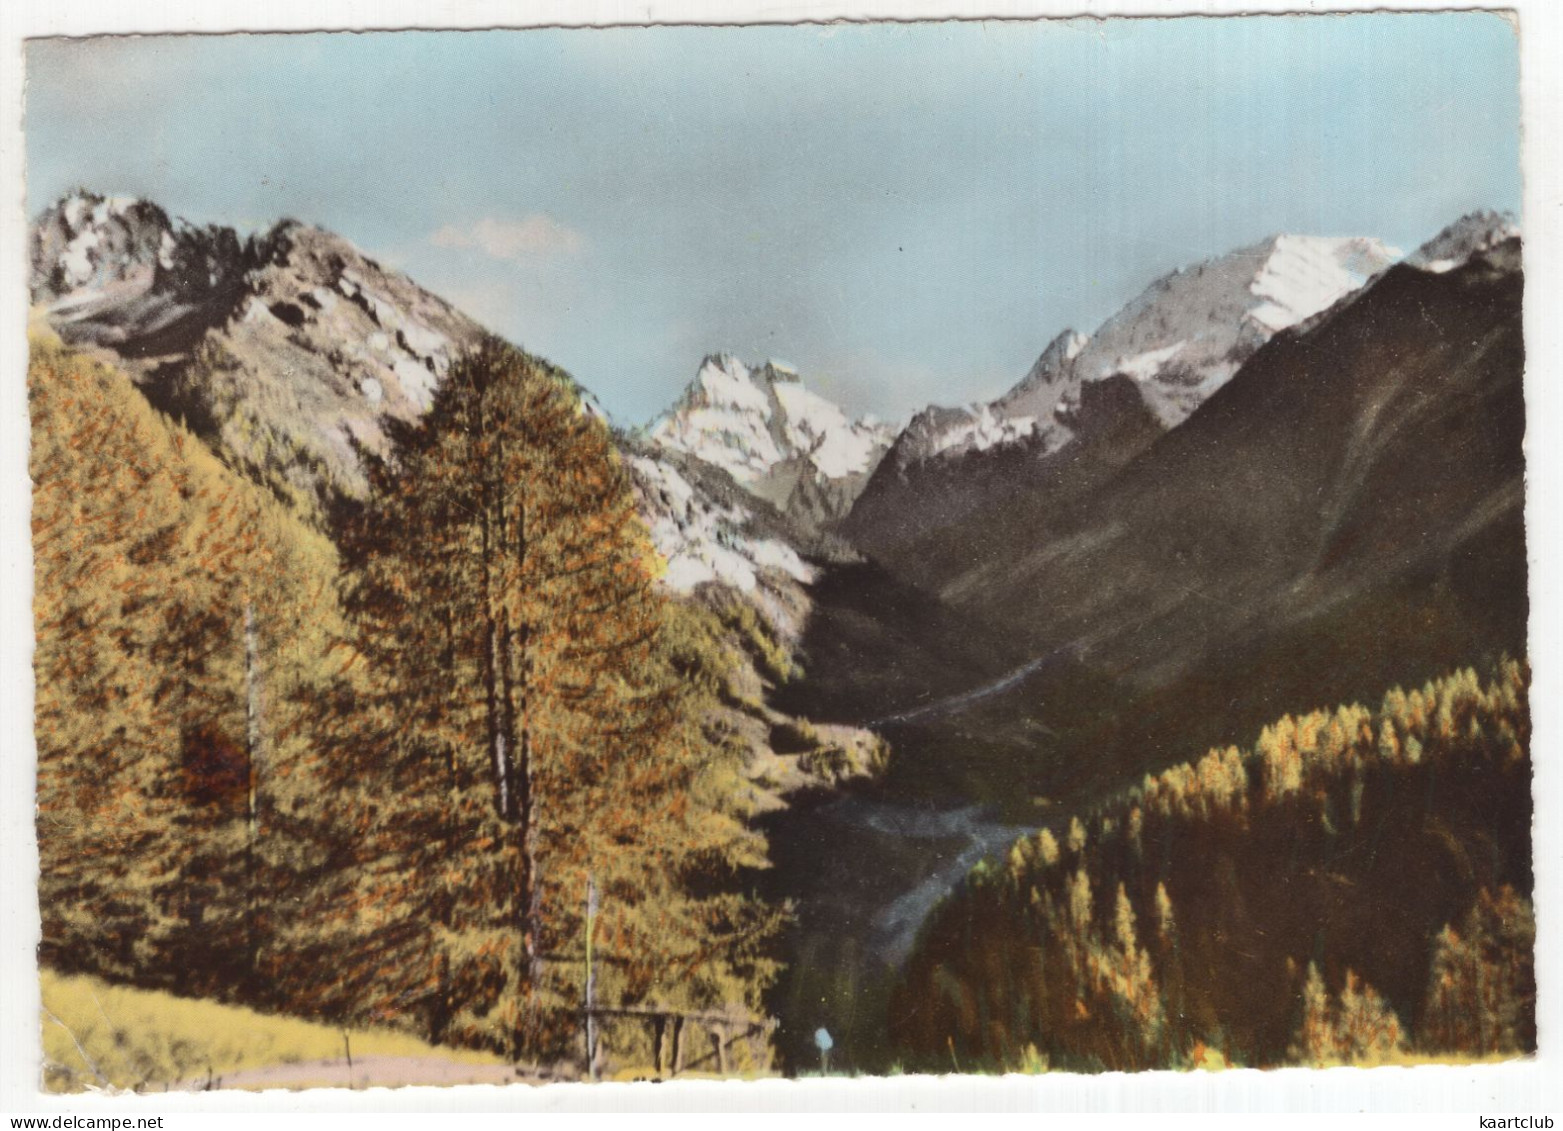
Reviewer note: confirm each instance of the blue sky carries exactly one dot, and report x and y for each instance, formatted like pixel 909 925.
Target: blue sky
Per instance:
pixel 908 213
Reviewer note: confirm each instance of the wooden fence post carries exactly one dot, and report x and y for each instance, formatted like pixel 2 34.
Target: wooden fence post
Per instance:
pixel 591 1021
pixel 659 1026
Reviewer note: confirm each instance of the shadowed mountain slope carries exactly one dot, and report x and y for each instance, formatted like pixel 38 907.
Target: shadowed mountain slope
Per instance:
pixel 1343 514
pixel 1383 444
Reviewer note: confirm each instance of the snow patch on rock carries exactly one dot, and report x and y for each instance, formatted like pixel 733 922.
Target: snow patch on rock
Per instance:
pixel 703 541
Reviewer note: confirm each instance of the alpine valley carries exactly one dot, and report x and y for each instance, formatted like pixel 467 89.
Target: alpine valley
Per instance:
pixel 1169 709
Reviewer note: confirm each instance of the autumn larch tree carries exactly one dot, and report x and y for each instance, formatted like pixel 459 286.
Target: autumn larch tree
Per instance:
pixel 526 726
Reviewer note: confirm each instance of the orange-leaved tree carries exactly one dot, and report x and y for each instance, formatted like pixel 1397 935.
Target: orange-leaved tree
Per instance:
pixel 527 730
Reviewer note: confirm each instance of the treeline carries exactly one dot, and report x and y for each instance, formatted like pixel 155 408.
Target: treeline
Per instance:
pixel 380 780
pixel 1353 889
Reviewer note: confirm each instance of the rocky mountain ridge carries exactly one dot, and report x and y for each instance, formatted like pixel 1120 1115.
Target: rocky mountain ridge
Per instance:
pixel 1091 404
pixel 288 350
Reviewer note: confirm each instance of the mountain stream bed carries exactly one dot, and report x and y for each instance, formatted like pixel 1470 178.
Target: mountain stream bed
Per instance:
pixel 863 875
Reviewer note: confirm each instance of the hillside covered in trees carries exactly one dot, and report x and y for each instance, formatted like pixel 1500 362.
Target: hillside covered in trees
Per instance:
pixel 1354 887
pixel 380 780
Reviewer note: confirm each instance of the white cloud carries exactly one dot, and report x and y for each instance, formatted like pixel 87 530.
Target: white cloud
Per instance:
pixel 531 236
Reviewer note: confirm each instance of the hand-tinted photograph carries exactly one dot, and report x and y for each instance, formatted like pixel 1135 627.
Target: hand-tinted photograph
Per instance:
pixel 802 550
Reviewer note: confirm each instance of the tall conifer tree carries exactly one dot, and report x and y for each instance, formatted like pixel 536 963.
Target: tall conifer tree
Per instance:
pixel 530 728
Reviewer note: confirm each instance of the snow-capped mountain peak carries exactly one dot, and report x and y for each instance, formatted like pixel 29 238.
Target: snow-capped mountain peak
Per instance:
pixel 1179 341
pixel 776 437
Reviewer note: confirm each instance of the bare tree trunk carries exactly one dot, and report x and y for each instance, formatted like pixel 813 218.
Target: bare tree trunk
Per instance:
pixel 515 671
pixel 591 985
pixel 252 757
pixel 498 755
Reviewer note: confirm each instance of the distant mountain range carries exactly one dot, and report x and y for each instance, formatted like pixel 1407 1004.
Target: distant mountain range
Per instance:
pixel 1095 401
pixel 1152 382
pixel 287 350
pixel 1217 461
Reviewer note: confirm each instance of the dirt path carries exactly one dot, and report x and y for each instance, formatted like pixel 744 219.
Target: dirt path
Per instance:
pixel 955 703
pixel 367 1072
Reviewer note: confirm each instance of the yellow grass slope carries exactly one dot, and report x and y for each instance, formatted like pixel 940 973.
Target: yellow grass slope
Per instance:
pixel 97 1035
